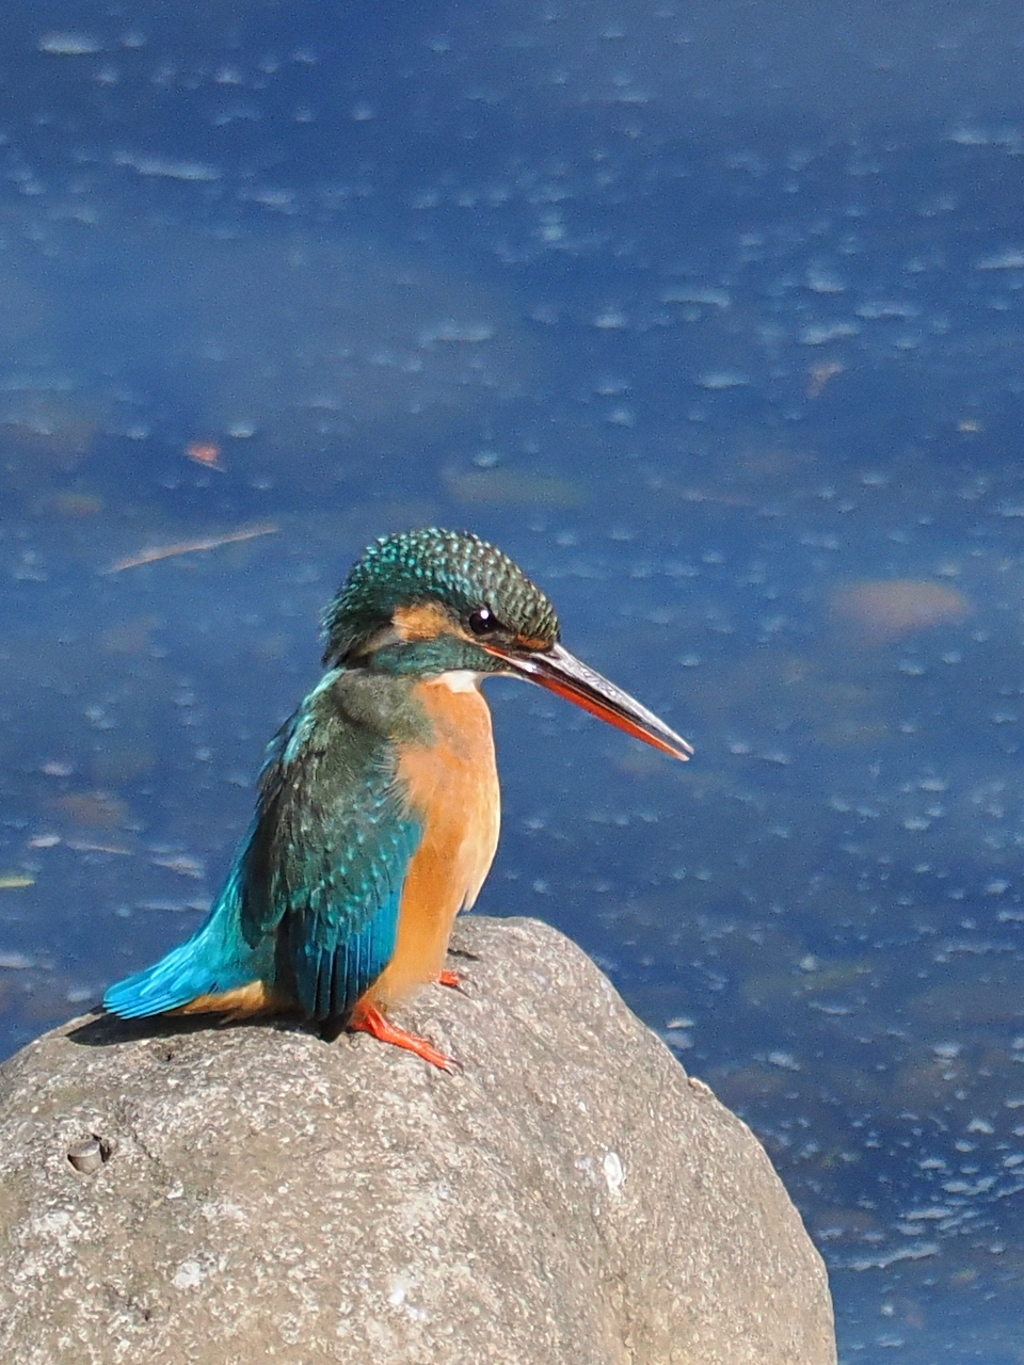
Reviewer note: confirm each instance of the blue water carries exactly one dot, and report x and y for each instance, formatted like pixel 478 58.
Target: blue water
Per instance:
pixel 707 314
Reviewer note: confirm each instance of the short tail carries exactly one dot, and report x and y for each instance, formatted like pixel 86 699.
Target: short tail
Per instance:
pixel 175 980
pixel 216 959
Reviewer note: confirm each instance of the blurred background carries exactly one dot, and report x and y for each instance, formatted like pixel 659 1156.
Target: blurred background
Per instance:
pixel 708 313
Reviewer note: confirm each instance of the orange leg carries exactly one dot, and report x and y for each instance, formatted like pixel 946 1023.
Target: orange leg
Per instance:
pixel 367 1019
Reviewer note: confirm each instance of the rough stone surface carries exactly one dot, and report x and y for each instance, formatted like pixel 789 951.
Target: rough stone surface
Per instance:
pixel 571 1198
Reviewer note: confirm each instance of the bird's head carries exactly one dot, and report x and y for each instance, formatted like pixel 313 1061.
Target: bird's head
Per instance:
pixel 429 602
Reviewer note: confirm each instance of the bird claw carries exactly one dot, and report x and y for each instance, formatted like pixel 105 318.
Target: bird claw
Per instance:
pixel 370 1020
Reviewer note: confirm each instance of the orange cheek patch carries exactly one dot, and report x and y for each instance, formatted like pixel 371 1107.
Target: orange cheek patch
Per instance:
pixel 424 621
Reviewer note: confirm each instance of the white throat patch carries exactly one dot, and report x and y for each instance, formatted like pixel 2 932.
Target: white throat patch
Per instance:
pixel 460 680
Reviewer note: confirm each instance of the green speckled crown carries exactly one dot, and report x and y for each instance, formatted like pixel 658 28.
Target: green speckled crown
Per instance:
pixel 454 568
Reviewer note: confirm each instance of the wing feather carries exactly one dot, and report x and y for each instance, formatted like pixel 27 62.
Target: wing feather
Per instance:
pixel 329 855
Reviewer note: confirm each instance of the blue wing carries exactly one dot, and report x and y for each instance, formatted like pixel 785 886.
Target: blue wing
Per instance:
pixel 215 960
pixel 312 902
pixel 328 857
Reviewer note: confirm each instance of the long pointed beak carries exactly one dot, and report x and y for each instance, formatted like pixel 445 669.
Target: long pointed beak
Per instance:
pixel 561 672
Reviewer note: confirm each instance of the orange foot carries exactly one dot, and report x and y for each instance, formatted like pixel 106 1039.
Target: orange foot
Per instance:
pixel 447 978
pixel 367 1019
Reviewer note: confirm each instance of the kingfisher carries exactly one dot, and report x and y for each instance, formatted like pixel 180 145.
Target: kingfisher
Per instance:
pixel 378 803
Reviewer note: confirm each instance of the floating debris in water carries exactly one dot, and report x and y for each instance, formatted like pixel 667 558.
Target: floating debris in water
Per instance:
pixel 884 610
pixel 70 504
pixel 84 846
pixel 175 907
pixel 186 547
pixel 98 809
pixel 819 375
pixel 183 865
pixel 171 170
pixel 206 453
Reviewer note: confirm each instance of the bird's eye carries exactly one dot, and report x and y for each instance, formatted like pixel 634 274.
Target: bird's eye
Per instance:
pixel 484 622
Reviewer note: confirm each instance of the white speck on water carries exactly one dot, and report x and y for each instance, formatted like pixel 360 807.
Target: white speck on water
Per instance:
pixel 785 1060
pixel 722 379
pixel 947 1051
pixel 820 333
pixel 932 1214
pixel 822 279
pixel 886 309
pixel 15 962
pixel 1010 259
pixel 676 1039
pixel 456 333
pixel 68 44
pixel 966 1187
pixel 918 1252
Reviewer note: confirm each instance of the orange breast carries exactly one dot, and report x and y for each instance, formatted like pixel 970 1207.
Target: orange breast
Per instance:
pixel 452 785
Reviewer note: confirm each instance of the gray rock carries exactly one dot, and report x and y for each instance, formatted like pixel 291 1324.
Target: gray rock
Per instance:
pixel 252 1194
